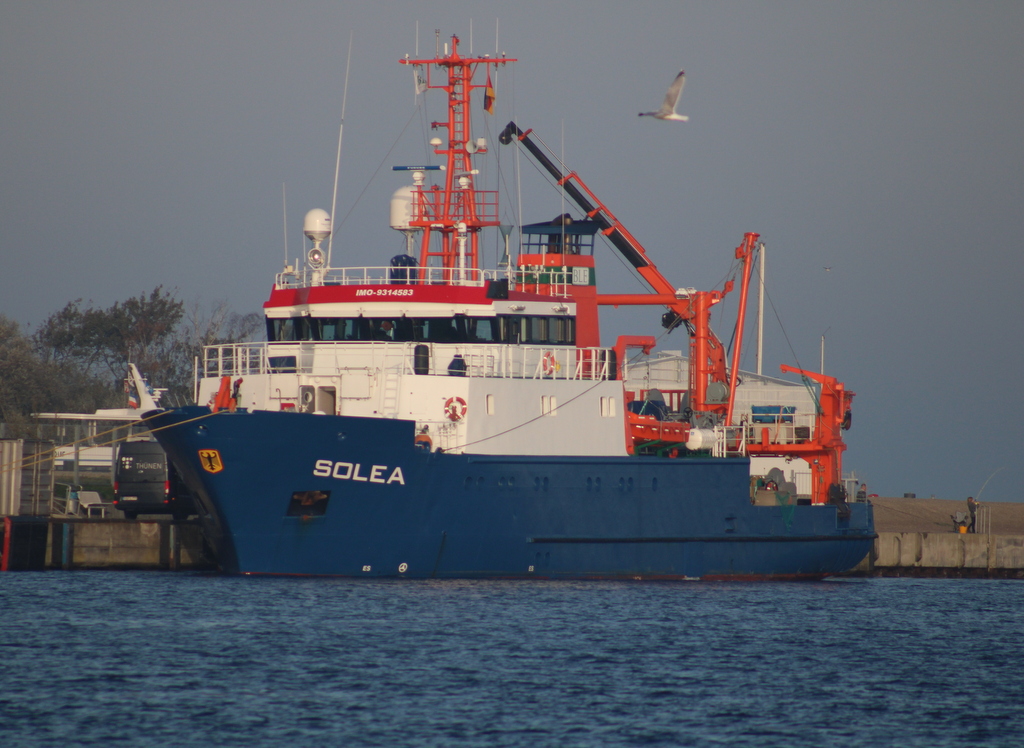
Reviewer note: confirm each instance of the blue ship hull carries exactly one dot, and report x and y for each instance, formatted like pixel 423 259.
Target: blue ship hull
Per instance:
pixel 293 493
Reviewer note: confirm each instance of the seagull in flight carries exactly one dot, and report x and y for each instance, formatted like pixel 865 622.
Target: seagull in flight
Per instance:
pixel 668 106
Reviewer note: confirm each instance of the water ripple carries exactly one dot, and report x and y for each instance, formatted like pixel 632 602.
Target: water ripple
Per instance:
pixel 154 659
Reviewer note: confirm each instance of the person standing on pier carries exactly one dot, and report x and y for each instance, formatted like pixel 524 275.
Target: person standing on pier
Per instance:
pixel 972 507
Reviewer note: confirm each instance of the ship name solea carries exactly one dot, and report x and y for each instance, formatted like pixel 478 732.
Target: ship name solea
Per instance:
pixel 351 471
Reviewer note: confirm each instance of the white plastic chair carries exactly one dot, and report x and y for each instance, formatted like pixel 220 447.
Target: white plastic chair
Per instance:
pixel 91 501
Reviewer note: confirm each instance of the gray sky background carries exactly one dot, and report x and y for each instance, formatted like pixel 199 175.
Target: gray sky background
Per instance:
pixel 147 142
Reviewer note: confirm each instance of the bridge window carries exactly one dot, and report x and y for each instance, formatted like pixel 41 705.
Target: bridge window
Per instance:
pixel 460 328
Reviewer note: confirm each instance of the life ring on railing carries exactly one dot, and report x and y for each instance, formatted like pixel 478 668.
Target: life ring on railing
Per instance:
pixel 549 364
pixel 455 408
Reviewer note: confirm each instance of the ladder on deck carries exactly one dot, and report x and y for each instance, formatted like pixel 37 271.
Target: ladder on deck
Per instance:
pixel 391 394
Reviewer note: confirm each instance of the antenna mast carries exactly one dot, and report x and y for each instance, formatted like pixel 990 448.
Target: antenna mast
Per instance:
pixel 455 211
pixel 337 161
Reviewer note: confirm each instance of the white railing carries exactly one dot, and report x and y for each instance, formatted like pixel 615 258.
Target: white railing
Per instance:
pixel 377 276
pixel 729 442
pixel 451 359
pixel 557 281
pixel 789 429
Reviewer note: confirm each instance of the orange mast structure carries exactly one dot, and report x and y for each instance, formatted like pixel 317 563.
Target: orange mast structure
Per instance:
pixel 457 210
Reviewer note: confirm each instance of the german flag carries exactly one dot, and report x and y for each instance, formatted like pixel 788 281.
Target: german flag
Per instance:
pixel 489 94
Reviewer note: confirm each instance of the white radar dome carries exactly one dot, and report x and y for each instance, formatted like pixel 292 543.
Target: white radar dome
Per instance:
pixel 317 225
pixel 401 209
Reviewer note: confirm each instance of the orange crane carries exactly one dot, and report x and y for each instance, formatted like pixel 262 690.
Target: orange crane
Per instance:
pixel 713 384
pixel 711 390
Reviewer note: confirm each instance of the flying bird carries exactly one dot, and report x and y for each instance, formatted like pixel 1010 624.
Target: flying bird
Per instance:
pixel 668 106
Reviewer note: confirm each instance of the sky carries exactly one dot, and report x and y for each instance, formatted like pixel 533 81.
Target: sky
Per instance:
pixel 146 143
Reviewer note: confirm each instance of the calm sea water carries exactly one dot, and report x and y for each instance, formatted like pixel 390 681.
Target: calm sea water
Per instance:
pixel 98 658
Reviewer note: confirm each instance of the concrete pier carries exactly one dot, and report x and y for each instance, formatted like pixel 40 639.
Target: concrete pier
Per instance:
pixel 923 554
pixel 123 544
pixel 917 537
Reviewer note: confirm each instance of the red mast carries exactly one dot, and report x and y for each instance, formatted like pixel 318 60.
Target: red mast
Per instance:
pixel 456 211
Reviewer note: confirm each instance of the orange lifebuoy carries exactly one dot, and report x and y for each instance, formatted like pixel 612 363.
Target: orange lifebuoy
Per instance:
pixel 549 364
pixel 455 408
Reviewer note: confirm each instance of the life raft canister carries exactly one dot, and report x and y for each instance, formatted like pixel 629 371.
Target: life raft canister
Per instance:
pixel 455 408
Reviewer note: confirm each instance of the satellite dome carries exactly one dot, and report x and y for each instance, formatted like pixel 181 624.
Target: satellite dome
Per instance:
pixel 401 208
pixel 317 225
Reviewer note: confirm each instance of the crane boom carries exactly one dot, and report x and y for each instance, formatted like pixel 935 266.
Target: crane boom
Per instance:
pixel 711 389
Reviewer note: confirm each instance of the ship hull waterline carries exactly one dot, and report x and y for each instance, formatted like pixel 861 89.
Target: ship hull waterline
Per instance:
pixel 304 494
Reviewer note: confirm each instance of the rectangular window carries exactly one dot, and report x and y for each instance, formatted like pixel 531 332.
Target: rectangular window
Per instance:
pixel 540 330
pixel 490 405
pixel 548 405
pixel 290 328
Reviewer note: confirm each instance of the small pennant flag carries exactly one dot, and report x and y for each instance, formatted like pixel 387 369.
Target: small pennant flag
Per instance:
pixel 421 85
pixel 489 95
pixel 133 400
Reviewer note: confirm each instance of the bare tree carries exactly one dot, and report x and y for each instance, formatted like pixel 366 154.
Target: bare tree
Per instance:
pixel 84 352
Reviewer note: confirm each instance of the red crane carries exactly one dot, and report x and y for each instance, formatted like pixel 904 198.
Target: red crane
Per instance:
pixel 712 384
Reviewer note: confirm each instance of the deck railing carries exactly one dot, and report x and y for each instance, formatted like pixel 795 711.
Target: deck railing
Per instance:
pixel 379 276
pixel 557 281
pixel 456 359
pixel 794 429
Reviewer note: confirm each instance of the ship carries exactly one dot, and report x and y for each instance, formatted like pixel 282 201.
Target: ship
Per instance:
pixel 429 417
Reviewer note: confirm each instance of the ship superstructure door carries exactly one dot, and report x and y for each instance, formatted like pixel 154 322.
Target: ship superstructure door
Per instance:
pixel 318 399
pixel 327 400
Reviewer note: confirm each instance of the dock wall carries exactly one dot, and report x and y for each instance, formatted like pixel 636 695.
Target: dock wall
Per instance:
pixel 38 543
pixel 945 554
pixel 119 544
